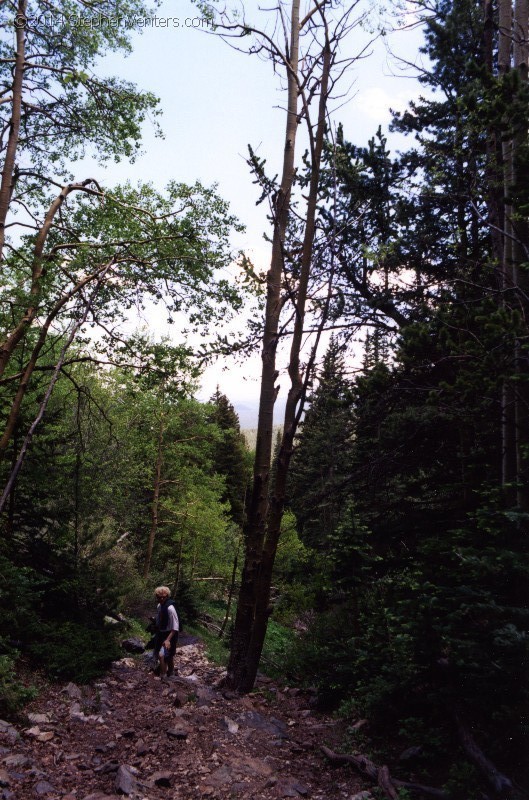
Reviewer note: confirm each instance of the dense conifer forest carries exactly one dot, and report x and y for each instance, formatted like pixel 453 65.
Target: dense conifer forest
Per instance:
pixel 372 544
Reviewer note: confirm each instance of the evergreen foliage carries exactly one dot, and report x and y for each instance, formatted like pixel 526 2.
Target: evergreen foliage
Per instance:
pixel 319 463
pixel 231 455
pixel 105 452
pixel 13 693
pixel 403 549
pixel 423 610
pixel 75 535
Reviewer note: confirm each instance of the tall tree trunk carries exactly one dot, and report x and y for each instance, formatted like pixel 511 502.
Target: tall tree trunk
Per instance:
pixel 238 676
pixel 513 51
pixel 8 170
pixel 155 498
pixel 508 423
pixel 230 593
pixel 493 166
pixel 10 522
pixel 520 255
pixel 178 566
pixel 77 504
pixel 277 500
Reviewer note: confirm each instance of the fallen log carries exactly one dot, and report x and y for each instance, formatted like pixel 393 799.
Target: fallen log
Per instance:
pixel 382 777
pixel 502 785
pixel 208 622
pixel 386 784
pixel 209 626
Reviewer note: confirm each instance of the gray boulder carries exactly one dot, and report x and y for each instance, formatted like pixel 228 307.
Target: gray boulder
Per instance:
pixel 133 645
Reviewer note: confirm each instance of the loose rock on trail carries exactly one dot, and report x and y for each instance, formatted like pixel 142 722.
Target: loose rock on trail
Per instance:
pixel 132 735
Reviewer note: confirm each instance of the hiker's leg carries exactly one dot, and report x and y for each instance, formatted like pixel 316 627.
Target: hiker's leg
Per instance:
pixel 154 663
pixel 163 664
pixel 158 642
pixel 171 656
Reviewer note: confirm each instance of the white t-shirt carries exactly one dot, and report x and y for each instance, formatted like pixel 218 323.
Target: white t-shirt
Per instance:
pixel 174 625
pixel 172 619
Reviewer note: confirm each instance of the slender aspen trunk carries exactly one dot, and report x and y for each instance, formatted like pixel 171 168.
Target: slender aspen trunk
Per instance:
pixel 238 676
pixel 230 594
pixel 178 566
pixel 493 166
pixel 520 257
pixel 513 52
pixel 8 170
pixel 508 411
pixel 508 433
pixel 193 563
pixel 277 500
pixel 508 422
pixel 504 66
pixel 77 505
pixel 10 522
pixel 156 497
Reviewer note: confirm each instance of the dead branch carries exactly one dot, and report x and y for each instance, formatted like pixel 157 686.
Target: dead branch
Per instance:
pixel 207 623
pixel 501 784
pixel 382 777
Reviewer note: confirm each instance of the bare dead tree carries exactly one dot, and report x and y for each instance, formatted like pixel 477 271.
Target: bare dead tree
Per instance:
pixel 304 42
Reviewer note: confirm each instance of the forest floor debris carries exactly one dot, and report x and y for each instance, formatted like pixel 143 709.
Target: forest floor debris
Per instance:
pixel 133 735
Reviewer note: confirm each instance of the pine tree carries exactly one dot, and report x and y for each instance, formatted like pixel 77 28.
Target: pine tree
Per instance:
pixel 436 627
pixel 230 455
pixel 320 459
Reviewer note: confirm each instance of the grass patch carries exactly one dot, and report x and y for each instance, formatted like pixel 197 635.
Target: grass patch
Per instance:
pixel 277 646
pixel 276 650
pixel 134 628
pixel 216 649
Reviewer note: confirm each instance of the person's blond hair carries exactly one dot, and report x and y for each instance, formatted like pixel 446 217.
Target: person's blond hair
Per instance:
pixel 162 590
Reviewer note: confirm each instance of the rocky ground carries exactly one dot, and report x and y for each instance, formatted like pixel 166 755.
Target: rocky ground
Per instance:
pixel 132 734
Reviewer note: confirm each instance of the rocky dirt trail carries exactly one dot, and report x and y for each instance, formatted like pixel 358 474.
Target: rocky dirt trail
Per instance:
pixel 131 734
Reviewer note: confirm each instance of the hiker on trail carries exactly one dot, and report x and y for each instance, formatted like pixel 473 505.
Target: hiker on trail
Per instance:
pixel 167 627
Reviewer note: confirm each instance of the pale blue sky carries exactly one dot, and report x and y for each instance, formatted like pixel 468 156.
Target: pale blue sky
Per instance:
pixel 215 101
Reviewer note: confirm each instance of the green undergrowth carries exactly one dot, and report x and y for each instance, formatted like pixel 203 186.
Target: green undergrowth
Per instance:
pixel 216 649
pixel 276 648
pixel 439 761
pixel 14 692
pixel 276 651
pixel 136 628
pixel 70 651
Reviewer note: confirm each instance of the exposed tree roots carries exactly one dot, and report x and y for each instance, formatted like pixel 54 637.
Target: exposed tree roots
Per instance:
pixel 502 785
pixel 381 776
